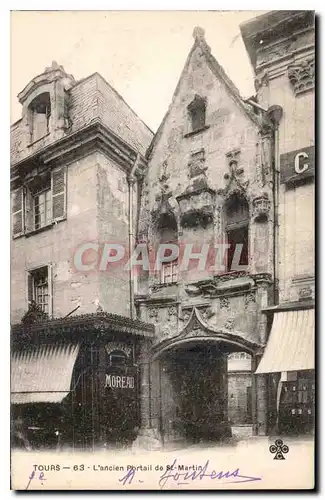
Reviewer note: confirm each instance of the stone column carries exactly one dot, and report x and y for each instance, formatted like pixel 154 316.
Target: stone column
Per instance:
pixel 254 397
pixel 147 438
pixel 223 377
pixel 144 386
pixel 261 386
pixel 261 401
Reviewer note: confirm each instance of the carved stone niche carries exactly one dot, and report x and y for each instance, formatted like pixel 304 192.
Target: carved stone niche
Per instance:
pixel 261 208
pixel 196 204
pixel 196 163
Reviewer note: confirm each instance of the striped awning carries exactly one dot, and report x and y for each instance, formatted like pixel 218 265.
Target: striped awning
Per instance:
pixel 291 344
pixel 42 374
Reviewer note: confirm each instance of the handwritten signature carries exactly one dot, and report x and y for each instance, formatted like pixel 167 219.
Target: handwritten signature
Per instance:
pixel 32 476
pixel 180 478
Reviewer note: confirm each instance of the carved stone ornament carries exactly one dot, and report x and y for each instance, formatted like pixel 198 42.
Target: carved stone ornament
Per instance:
pixel 162 205
pixel 302 75
pixel 261 208
pixel 229 324
pixel 196 164
pixel 186 313
pixel 207 313
pixel 261 80
pixel 224 303
pixel 250 298
pixel 153 314
pixel 234 177
pixel 172 313
pixel 196 327
pixel 305 293
pixel 196 204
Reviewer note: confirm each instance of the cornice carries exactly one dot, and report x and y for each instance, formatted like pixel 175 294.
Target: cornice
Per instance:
pixel 94 137
pixel 278 66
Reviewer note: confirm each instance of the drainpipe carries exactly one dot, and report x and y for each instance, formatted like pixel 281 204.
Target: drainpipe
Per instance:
pixel 275 114
pixel 255 104
pixel 131 182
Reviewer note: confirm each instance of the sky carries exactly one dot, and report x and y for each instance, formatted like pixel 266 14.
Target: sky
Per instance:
pixel 140 53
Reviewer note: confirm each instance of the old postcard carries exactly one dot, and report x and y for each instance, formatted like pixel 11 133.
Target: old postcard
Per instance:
pixel 162 250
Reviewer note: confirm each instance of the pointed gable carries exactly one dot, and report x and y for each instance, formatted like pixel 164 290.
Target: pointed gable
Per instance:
pixel 200 57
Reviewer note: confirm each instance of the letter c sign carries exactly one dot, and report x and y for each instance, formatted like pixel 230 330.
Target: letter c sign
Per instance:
pixel 299 166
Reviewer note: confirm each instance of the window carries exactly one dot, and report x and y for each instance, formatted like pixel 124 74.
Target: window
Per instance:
pixel 38 288
pixel 197 109
pixel 42 207
pixel 40 113
pixel 237 218
pixel 169 272
pixel 117 359
pixel 168 234
pixel 39 203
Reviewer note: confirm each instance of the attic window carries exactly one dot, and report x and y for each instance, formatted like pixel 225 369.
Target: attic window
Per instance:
pixel 197 109
pixel 39 116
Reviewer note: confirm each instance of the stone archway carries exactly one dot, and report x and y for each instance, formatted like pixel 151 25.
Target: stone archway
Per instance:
pixel 189 400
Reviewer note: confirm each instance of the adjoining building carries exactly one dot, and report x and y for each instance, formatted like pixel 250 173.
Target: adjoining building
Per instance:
pixel 240 389
pixel 209 182
pixel 77 154
pixel 281 47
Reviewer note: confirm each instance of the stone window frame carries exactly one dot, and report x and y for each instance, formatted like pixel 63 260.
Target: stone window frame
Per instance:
pixel 234 226
pixel 45 272
pixel 197 105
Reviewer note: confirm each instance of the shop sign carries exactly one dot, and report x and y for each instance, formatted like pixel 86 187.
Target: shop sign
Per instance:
pixel 119 381
pixel 297 165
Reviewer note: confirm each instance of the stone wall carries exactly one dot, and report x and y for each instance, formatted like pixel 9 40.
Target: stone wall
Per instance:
pixel 285 77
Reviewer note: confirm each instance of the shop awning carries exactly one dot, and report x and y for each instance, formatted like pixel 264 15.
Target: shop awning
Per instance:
pixel 42 374
pixel 291 344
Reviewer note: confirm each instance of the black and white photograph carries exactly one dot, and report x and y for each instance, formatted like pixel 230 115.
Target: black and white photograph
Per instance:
pixel 162 250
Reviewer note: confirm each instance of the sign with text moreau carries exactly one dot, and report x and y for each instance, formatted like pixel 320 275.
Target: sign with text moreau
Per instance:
pixel 297 165
pixel 122 380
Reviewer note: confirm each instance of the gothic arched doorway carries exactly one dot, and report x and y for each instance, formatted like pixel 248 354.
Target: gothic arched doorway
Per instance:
pixel 189 383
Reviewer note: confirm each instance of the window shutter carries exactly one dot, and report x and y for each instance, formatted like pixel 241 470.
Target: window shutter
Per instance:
pixel 29 212
pixel 17 211
pixel 50 289
pixel 30 294
pixel 59 193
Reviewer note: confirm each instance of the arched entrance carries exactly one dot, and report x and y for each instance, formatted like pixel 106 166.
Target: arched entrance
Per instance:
pixel 189 385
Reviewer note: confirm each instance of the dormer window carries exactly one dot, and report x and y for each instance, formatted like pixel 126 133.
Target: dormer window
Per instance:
pixel 197 111
pixel 40 113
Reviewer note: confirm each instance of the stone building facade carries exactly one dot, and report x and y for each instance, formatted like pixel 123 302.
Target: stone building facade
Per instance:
pixel 76 153
pixel 281 47
pixel 209 180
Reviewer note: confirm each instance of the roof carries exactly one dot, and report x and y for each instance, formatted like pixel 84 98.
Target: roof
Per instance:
pixel 218 71
pixel 272 25
pixel 83 325
pixel 92 99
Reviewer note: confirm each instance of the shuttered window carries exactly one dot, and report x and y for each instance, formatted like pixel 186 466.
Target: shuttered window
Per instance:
pixel 17 211
pixel 59 193
pixel 37 207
